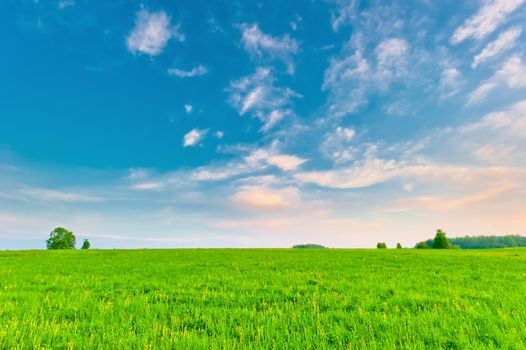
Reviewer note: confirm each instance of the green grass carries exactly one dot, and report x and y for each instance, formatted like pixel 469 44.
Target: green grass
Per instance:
pixel 263 298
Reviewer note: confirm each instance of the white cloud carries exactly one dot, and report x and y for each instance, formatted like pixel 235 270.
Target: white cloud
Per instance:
pixel 219 134
pixel 486 20
pixel 257 160
pixel 504 42
pixel 450 82
pixel 194 137
pixel 257 94
pixel 512 74
pixel 480 93
pixel 57 195
pixel 391 55
pixel 148 186
pixel 345 12
pixel 337 145
pixel 263 198
pixel 352 77
pixel 362 174
pixel 188 108
pixel 151 33
pixel 194 72
pixel 65 3
pixel 511 121
pixel 259 44
pixel 283 161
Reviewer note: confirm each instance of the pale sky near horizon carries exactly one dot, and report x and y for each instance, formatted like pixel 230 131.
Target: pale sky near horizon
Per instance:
pixel 261 124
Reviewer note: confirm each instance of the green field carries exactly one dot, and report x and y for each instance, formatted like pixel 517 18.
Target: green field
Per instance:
pixel 263 298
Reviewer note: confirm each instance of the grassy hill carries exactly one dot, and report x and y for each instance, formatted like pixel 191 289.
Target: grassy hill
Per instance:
pixel 263 298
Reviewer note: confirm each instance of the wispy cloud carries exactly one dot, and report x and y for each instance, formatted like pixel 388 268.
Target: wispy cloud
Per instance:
pixel 65 3
pixel 194 137
pixel 58 195
pixel 486 20
pixel 259 45
pixel 338 145
pixel 505 41
pixel 263 198
pixel 194 72
pixel 344 13
pixel 512 74
pixel 450 83
pixel 257 94
pixel 151 33
pixel 351 77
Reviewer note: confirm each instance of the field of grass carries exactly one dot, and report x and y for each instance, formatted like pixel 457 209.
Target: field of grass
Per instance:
pixel 263 298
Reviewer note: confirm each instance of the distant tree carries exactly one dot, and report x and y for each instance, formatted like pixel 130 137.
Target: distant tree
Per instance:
pixel 422 245
pixel 441 241
pixel 381 245
pixel 60 238
pixel 398 246
pixel 85 244
pixel 308 246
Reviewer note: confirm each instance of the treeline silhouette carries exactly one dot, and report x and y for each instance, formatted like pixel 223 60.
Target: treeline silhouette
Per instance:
pixel 485 242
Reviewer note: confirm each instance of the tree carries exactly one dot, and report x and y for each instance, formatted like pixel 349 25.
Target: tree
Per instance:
pixel 308 246
pixel 422 245
pixel 381 245
pixel 60 238
pixel 85 244
pixel 441 241
pixel 398 246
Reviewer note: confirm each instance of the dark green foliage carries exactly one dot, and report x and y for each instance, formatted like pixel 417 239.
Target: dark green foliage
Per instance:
pixel 309 246
pixel 423 245
pixel 441 241
pixel 398 246
pixel 86 244
pixel 381 245
pixel 60 238
pixel 483 242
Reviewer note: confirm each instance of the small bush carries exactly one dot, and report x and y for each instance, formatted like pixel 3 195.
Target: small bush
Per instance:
pixel 86 244
pixel 381 245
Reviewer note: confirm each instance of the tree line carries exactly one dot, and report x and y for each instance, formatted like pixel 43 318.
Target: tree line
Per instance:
pixel 474 242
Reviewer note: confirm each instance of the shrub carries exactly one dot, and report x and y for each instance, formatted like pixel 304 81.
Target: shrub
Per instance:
pixel 86 244
pixel 60 238
pixel 398 246
pixel 381 245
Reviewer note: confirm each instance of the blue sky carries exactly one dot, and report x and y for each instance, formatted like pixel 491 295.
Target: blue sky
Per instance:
pixel 261 124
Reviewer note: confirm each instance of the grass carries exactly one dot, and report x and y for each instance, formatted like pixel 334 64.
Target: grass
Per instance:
pixel 263 298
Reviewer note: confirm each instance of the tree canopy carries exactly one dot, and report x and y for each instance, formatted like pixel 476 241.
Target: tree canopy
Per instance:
pixel 441 241
pixel 381 245
pixel 61 238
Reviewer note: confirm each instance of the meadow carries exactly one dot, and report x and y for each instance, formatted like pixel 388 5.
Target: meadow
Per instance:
pixel 263 298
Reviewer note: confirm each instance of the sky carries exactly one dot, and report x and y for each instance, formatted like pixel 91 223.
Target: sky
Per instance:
pixel 243 123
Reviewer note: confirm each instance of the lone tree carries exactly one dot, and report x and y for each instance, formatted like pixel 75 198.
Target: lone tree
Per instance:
pixel 398 246
pixel 60 238
pixel 85 244
pixel 441 241
pixel 381 245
